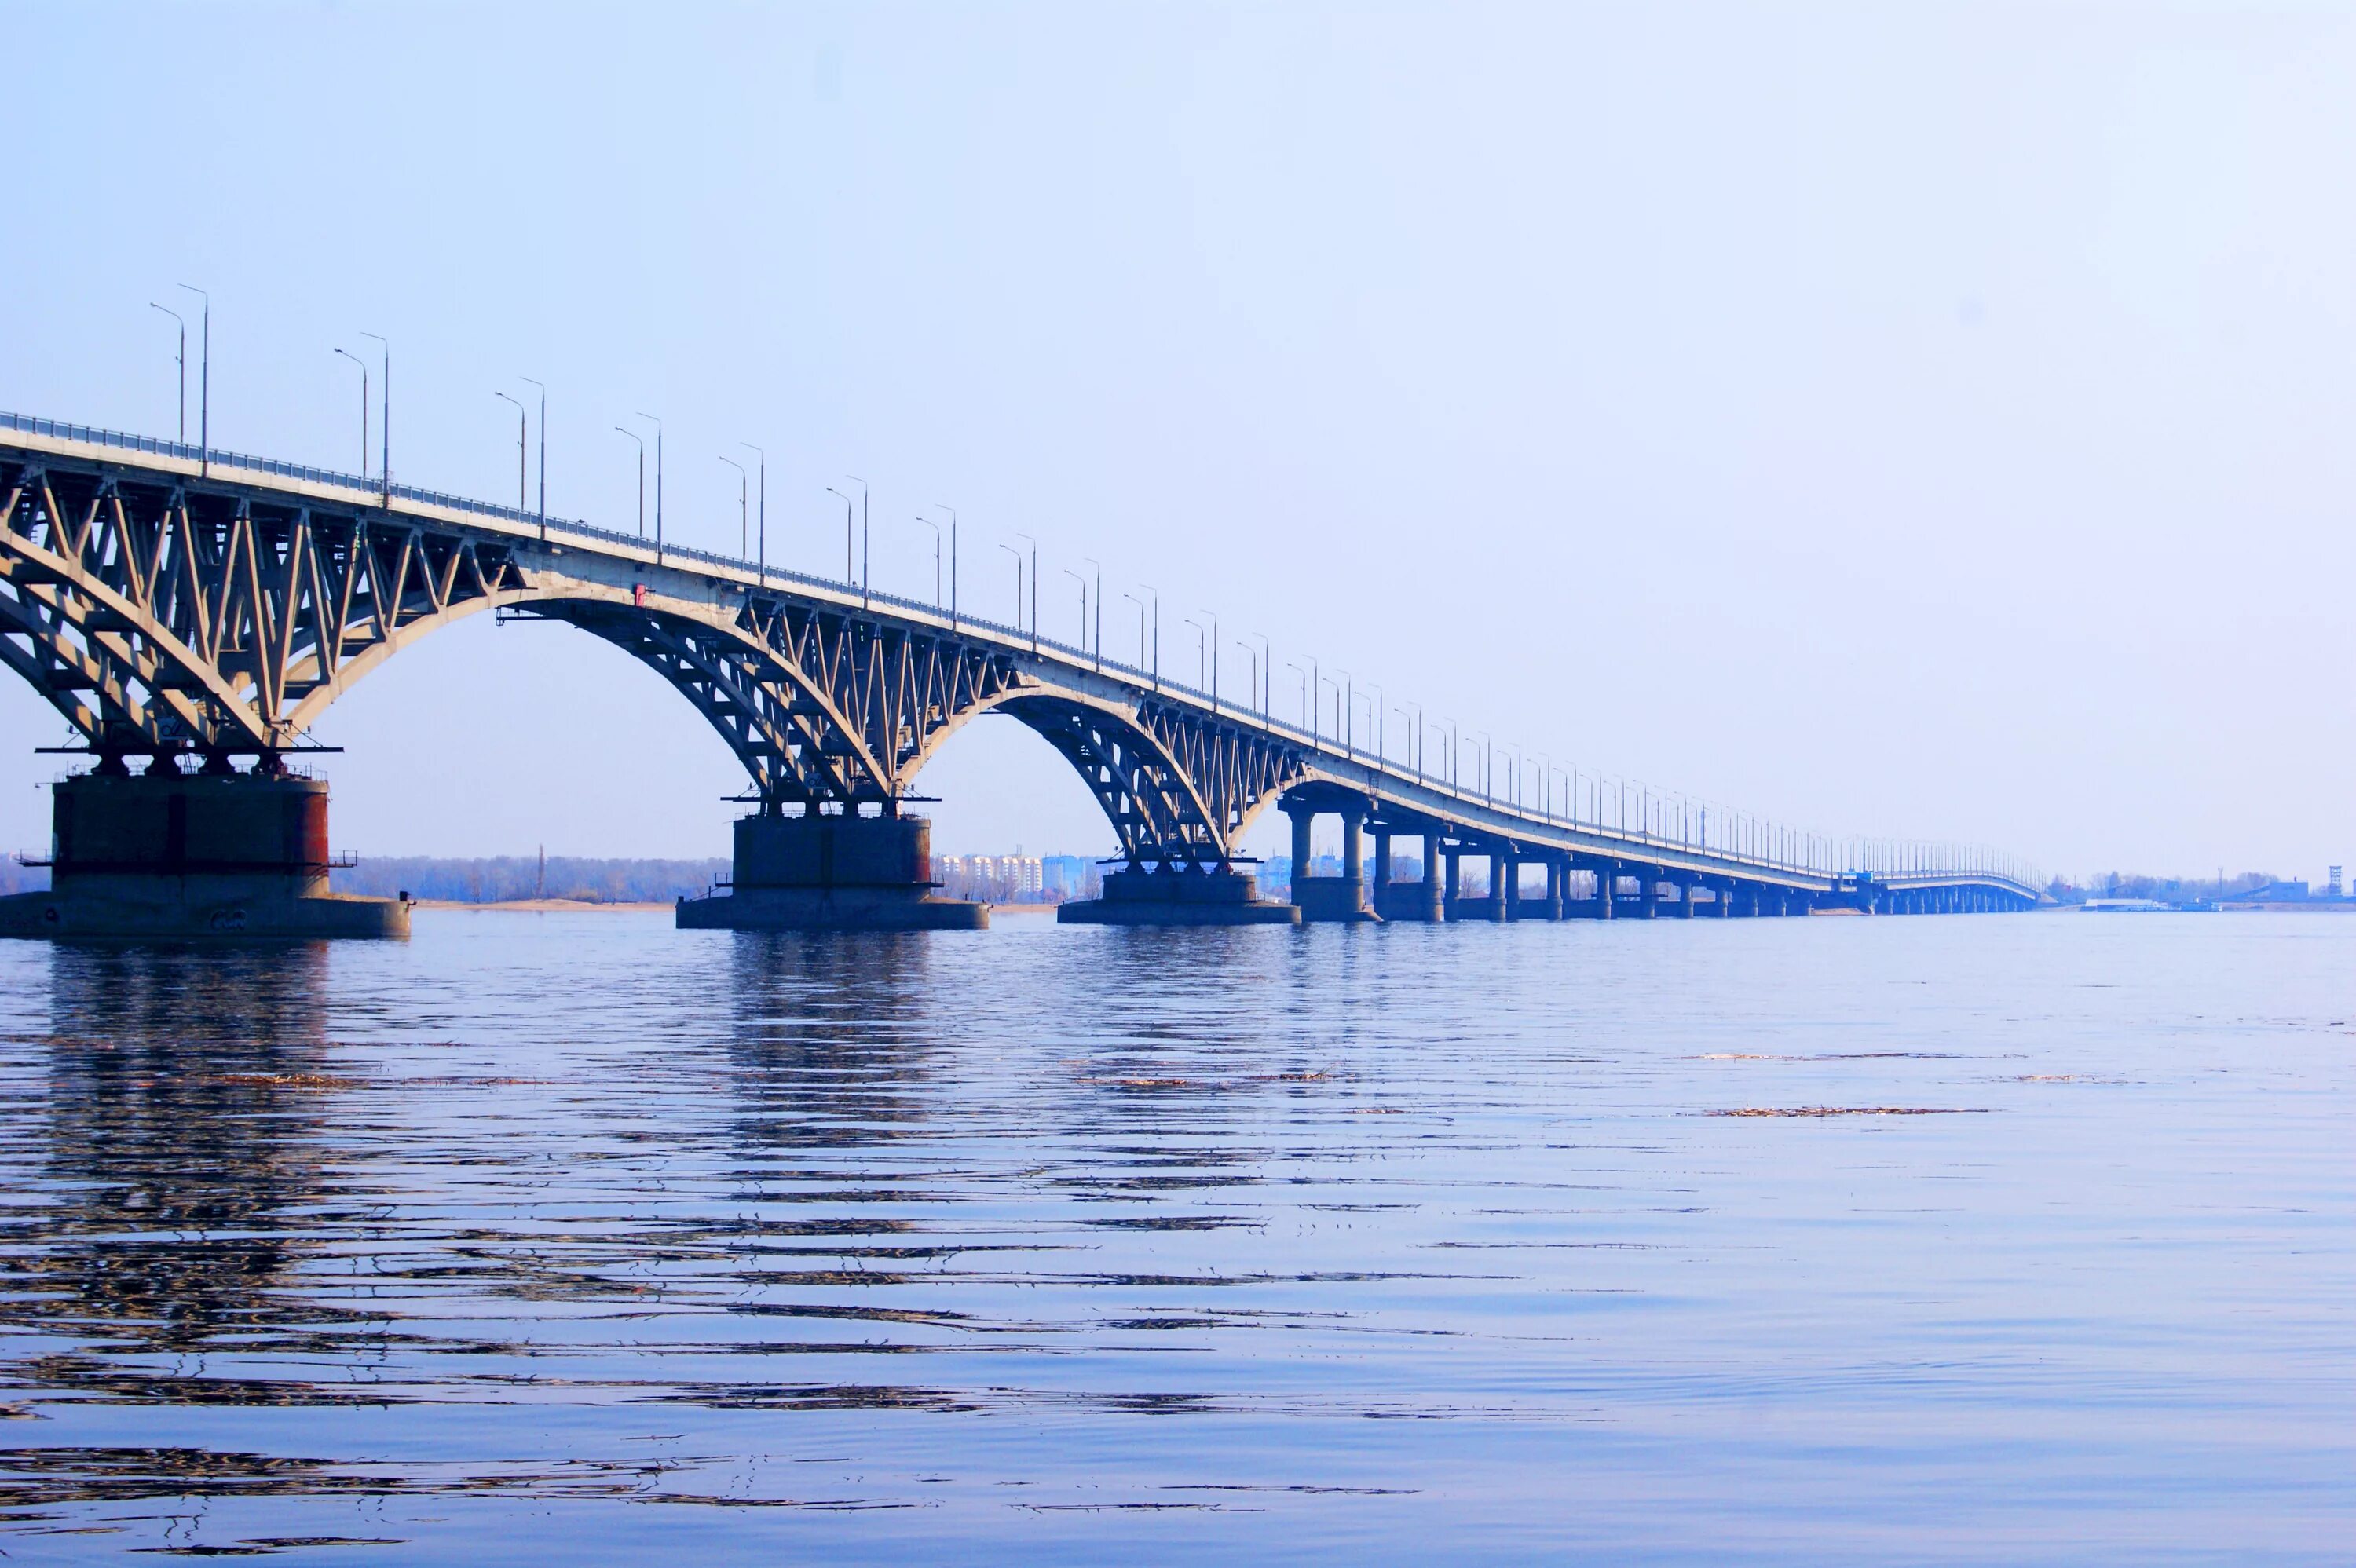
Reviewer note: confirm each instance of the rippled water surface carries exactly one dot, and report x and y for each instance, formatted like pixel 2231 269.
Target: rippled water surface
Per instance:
pixel 573 1237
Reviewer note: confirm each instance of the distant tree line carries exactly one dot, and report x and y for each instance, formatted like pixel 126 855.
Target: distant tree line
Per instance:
pixel 2174 890
pixel 509 878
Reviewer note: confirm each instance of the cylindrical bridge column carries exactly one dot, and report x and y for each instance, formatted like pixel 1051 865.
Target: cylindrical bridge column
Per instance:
pixel 1607 889
pixel 1557 869
pixel 1354 858
pixel 1301 818
pixel 1435 902
pixel 1382 861
pixel 1504 886
pixel 1455 891
pixel 1686 891
pixel 1650 885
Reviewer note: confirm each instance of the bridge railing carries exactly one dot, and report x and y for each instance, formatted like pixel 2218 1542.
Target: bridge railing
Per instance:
pixel 1822 856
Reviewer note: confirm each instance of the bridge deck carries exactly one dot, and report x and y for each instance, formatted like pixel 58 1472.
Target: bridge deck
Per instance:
pixel 1402 798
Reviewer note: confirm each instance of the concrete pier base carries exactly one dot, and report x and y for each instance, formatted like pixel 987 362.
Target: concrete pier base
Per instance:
pixel 1417 903
pixel 1141 897
pixel 819 872
pixel 1332 901
pixel 167 857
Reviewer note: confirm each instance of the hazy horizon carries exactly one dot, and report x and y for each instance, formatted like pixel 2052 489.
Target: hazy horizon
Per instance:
pixel 1923 423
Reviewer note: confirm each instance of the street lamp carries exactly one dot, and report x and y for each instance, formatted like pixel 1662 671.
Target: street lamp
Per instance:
pixel 522 450
pixel 1347 692
pixel 658 486
pixel 543 453
pixel 1140 629
pixel 1084 606
pixel 1253 653
pixel 846 534
pixel 1017 583
pixel 1099 593
pixel 384 422
pixel 865 560
pixel 953 564
pixel 364 404
pixel 1304 694
pixel 642 476
pixel 183 437
pixel 1035 589
pixel 1215 661
pixel 761 570
pixel 743 506
pixel 1267 672
pixel 205 385
pixel 936 558
pixel 1201 660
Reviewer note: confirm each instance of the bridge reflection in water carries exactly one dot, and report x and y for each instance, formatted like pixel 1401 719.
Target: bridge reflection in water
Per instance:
pixel 193 611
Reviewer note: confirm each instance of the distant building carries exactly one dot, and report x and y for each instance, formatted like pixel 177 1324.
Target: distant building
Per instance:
pixel 1067 876
pixel 2277 893
pixel 993 878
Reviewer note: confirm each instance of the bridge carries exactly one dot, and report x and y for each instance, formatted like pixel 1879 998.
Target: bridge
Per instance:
pixel 195 611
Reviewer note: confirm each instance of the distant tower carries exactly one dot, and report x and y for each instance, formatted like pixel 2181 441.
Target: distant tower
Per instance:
pixel 2331 884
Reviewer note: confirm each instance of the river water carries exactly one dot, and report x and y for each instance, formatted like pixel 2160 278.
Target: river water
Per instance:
pixel 550 1237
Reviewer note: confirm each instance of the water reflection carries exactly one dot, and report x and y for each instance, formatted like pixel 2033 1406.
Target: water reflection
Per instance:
pixel 188 1097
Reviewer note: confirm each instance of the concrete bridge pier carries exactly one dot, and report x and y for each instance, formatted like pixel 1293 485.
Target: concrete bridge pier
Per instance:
pixel 1435 901
pixel 1453 895
pixel 1687 888
pixel 168 856
pixel 1342 900
pixel 1607 889
pixel 1650 891
pixel 1504 886
pixel 1556 871
pixel 831 872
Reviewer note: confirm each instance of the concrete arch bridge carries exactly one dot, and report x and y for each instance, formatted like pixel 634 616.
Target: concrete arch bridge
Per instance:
pixel 192 614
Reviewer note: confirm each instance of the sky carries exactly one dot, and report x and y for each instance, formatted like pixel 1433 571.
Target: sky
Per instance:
pixel 1927 419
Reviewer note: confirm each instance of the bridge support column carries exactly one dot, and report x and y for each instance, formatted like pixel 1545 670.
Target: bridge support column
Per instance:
pixel 1382 864
pixel 1607 889
pixel 1342 900
pixel 162 855
pixel 1651 890
pixel 1686 891
pixel 1435 901
pixel 1302 820
pixel 821 871
pixel 1454 894
pixel 1557 869
pixel 1725 891
pixel 1505 886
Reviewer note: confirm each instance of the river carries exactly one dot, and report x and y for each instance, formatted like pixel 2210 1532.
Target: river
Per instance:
pixel 571 1237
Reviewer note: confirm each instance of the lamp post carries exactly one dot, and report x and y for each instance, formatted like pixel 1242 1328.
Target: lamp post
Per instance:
pixel 1202 656
pixel 524 449
pixel 642 476
pixel 1035 589
pixel 1348 715
pixel 384 420
pixel 1140 629
pixel 182 439
pixel 1083 606
pixel 846 534
pixel 658 486
pixel 761 535
pixel 1304 694
pixel 936 558
pixel 1253 653
pixel 1155 674
pixel 1267 672
pixel 1098 568
pixel 1017 583
pixel 1215 661
pixel 743 506
pixel 1419 740
pixel 543 453
pixel 865 560
pixel 953 564
pixel 1455 753
pixel 205 385
pixel 364 405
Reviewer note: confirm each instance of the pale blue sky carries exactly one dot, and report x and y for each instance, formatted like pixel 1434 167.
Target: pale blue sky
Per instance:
pixel 1920 418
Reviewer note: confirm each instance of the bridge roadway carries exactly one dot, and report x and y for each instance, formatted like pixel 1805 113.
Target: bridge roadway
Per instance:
pixel 200 607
